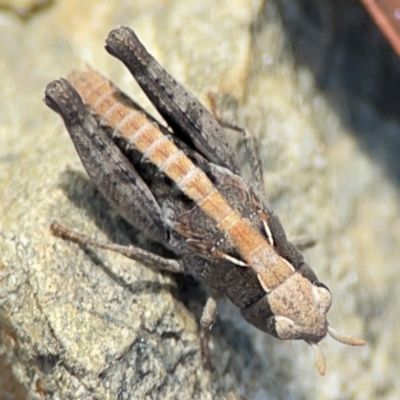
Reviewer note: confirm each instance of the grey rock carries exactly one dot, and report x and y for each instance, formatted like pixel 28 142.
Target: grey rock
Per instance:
pixel 85 323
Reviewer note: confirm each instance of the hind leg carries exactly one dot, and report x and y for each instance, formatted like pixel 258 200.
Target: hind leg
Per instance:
pixel 250 143
pixel 132 252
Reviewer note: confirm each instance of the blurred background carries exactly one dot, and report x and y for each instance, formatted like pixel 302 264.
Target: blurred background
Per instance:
pixel 317 82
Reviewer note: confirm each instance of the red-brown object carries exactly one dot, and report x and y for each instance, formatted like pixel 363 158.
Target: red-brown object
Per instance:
pixel 386 14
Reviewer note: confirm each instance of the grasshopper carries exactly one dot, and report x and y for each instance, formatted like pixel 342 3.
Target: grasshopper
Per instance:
pixel 181 187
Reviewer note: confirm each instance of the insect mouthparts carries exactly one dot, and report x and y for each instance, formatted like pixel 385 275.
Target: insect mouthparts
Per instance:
pixel 334 334
pixel 345 339
pixel 179 184
pixel 319 357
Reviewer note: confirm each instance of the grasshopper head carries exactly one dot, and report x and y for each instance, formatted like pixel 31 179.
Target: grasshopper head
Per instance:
pixel 297 309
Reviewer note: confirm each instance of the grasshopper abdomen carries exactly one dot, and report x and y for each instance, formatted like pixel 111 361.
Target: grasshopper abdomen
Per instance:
pixel 181 186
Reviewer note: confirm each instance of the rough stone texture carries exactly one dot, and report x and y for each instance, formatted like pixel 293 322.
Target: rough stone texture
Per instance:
pixel 319 87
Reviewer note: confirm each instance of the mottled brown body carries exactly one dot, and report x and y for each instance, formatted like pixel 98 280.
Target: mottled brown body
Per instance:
pixel 144 136
pixel 181 187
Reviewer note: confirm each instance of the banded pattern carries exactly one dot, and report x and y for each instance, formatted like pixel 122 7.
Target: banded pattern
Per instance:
pixel 182 188
pixel 101 97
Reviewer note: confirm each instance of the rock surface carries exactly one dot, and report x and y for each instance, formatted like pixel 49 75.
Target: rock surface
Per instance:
pixel 313 83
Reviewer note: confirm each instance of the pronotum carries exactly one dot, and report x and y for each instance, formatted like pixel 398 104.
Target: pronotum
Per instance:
pixel 181 186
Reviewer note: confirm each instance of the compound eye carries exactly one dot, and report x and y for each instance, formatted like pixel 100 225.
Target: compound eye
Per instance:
pixel 286 329
pixel 322 297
